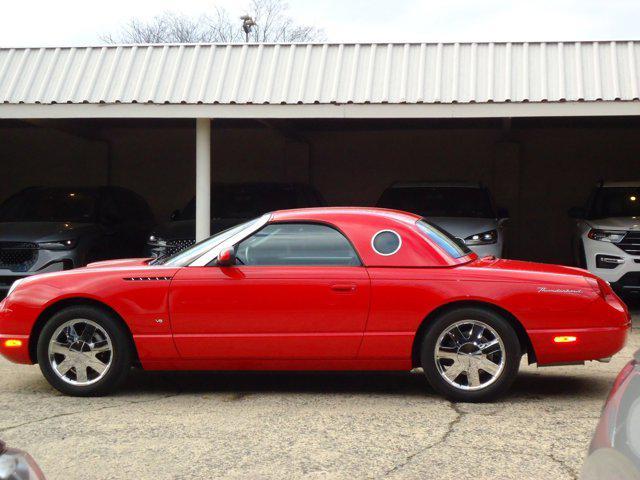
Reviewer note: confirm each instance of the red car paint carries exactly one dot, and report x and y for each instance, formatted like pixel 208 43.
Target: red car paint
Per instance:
pixel 324 318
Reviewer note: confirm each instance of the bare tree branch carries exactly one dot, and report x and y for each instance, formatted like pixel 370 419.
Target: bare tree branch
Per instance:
pixel 273 24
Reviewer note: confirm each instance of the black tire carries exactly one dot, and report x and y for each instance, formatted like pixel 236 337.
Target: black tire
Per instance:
pixel 120 356
pixel 503 380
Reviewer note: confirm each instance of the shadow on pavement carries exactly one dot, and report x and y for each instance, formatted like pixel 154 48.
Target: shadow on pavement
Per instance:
pixel 527 385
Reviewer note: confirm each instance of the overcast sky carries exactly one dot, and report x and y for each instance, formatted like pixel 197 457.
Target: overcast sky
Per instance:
pixel 81 22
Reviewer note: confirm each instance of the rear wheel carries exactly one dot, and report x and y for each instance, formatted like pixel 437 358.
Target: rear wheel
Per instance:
pixel 471 354
pixel 83 351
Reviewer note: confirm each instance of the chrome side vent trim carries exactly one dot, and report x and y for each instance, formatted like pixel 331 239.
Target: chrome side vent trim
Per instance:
pixel 146 279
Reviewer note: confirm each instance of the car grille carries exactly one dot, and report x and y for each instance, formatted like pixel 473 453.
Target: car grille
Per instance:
pixel 172 247
pixel 18 256
pixel 175 246
pixel 631 243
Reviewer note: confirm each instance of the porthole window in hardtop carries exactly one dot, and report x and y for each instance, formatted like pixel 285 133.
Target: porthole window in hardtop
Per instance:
pixel 386 242
pixel 297 244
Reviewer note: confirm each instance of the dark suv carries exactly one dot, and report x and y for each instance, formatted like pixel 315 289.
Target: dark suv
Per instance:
pixel 231 203
pixel 48 229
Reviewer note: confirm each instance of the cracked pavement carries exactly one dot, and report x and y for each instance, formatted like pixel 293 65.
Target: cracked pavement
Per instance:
pixel 307 425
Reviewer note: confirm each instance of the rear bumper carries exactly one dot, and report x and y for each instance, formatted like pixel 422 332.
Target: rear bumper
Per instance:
pixel 590 344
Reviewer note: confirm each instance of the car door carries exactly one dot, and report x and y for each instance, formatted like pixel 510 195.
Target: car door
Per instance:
pixel 297 291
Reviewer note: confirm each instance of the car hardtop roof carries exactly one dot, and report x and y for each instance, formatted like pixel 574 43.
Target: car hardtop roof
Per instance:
pixel 619 184
pixel 458 184
pixel 342 213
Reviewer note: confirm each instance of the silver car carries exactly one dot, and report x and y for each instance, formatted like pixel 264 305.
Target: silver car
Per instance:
pixel 18 465
pixel 615 448
pixel 465 210
pixel 49 229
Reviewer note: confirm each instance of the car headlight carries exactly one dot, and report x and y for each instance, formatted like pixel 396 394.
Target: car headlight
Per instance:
pixel 484 238
pixel 58 245
pixel 611 236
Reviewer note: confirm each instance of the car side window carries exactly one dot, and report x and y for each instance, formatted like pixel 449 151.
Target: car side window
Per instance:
pixel 297 244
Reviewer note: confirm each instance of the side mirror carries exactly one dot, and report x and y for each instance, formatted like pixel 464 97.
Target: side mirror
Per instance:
pixel 503 213
pixel 175 215
pixel 226 257
pixel 577 212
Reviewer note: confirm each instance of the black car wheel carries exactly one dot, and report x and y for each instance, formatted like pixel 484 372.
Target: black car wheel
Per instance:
pixel 471 354
pixel 84 351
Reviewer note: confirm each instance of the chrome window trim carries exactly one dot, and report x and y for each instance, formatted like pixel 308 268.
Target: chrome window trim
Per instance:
pixel 206 258
pixel 385 231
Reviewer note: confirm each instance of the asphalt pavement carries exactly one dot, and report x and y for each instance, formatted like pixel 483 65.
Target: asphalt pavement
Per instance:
pixel 307 425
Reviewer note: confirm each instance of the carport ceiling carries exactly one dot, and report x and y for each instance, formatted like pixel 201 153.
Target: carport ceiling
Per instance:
pixel 301 125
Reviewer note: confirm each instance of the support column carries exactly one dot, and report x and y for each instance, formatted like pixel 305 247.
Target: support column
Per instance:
pixel 203 178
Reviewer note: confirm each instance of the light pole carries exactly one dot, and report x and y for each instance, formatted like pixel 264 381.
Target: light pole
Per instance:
pixel 247 24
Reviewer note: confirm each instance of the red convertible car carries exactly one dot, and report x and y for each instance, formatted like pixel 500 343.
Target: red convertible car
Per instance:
pixel 313 289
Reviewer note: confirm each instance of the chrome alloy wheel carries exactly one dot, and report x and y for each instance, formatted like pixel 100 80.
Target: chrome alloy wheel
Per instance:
pixel 80 352
pixel 470 355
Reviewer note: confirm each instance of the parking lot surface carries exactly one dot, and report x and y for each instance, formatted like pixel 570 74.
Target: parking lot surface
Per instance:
pixel 307 425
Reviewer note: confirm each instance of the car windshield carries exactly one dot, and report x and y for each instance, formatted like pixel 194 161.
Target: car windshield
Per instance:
pixel 471 202
pixel 447 242
pixel 615 202
pixel 251 200
pixel 186 257
pixel 50 205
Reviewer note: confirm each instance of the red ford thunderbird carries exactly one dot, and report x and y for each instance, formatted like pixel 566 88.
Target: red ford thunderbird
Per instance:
pixel 313 289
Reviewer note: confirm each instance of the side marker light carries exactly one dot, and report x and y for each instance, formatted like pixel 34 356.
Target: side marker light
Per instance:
pixel 564 339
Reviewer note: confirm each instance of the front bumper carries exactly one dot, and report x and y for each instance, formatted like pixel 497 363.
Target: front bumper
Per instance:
pixel 629 283
pixel 624 276
pixel 18 354
pixel 14 339
pixel 46 261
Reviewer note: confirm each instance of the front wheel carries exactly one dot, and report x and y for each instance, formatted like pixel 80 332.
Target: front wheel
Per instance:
pixel 83 351
pixel 471 355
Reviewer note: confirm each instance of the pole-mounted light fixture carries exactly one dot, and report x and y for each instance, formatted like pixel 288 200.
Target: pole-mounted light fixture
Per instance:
pixel 247 24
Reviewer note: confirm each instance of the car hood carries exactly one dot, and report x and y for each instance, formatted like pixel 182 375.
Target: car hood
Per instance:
pixel 616 223
pixel 123 262
pixel 463 227
pixel 43 231
pixel 186 229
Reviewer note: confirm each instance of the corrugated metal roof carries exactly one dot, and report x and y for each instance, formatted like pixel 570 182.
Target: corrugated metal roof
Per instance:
pixel 322 73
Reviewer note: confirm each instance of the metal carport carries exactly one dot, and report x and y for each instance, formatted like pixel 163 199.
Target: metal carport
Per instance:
pixel 332 88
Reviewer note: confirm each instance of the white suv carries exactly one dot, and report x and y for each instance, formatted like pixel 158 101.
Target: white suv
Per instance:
pixel 607 234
